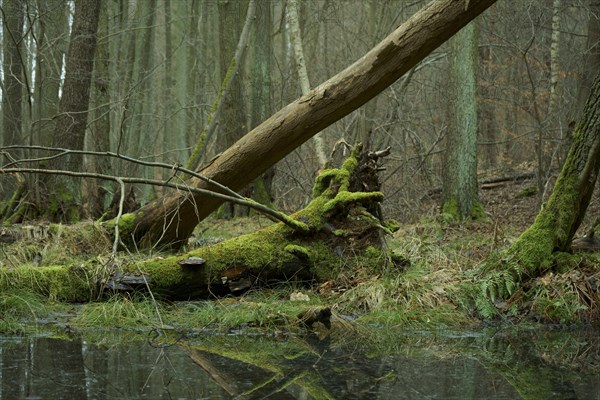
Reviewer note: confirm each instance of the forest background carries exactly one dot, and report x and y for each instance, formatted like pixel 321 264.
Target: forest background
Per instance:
pixel 159 70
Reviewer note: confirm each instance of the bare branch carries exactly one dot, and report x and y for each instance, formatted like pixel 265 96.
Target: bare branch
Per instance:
pixel 296 225
pixel 63 152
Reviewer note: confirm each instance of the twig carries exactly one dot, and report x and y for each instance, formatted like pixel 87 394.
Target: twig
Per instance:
pixel 118 217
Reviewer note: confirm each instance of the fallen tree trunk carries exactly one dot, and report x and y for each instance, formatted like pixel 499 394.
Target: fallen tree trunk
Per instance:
pixel 170 220
pixel 340 228
pixel 343 229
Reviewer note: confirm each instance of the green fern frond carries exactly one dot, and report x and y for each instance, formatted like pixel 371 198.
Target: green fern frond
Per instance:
pixel 485 307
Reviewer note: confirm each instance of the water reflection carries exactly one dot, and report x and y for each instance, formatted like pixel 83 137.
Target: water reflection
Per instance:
pixel 391 365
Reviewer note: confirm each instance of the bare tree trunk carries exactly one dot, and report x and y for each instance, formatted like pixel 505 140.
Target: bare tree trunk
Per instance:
pixel 296 40
pixel 12 100
pixel 230 79
pixel 554 56
pixel 262 103
pixel 459 191
pixel 52 44
pixel 170 220
pixel 97 137
pixel 71 121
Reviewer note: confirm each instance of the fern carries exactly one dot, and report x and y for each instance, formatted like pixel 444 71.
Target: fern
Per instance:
pixel 485 307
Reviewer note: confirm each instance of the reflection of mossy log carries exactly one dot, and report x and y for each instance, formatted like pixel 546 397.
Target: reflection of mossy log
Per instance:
pixel 280 253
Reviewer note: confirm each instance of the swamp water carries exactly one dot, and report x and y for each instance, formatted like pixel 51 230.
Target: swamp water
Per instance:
pixel 486 364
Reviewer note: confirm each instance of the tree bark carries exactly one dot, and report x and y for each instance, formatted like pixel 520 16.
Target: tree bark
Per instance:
pixel 12 13
pixel 12 100
pixel 261 104
pixel 71 121
pixel 94 192
pixel 459 191
pixel 170 220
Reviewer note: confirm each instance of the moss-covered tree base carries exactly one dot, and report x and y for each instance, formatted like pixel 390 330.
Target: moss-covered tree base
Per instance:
pixel 533 254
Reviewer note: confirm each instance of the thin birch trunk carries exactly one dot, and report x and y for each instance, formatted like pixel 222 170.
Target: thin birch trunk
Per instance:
pixel 296 41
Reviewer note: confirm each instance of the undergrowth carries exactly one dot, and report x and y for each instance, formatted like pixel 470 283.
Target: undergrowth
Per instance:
pixel 450 277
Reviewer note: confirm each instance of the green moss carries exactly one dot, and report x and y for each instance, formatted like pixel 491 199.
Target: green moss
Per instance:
pixel 342 233
pixel 71 284
pixel 351 162
pixel 341 176
pixel 166 274
pixel 392 225
pixel 299 251
pixel 323 181
pixel 450 212
pixel 345 198
pixel 127 222
pixel 566 262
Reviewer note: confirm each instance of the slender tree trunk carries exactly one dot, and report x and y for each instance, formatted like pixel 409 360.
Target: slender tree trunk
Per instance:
pixel 230 78
pixel 364 125
pixel 171 219
pixel 97 137
pixel 459 190
pixel 13 60
pixel 232 118
pixel 487 107
pixel 71 122
pixel 296 40
pixel 144 122
pixel 12 93
pixel 262 103
pixel 52 45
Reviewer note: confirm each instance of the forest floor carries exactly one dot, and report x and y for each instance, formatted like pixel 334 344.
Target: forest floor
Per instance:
pixel 428 291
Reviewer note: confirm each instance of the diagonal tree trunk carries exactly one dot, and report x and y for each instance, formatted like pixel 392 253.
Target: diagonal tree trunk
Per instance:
pixel 170 220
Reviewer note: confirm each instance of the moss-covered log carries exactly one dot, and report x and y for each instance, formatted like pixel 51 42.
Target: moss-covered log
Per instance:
pixel 343 227
pixel 556 224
